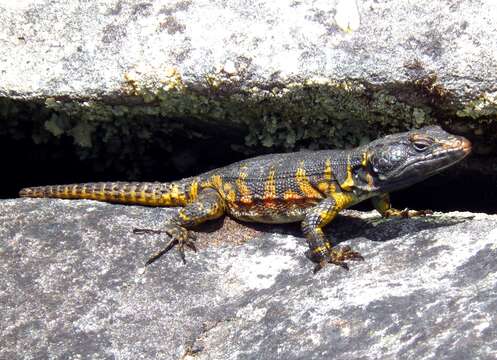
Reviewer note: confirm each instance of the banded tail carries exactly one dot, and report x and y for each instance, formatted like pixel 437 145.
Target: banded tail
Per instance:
pixel 141 193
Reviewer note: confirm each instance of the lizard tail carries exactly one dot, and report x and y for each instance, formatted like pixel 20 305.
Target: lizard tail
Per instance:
pixel 140 193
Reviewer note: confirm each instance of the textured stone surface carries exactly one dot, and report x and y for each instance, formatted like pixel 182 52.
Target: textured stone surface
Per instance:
pixel 52 48
pixel 72 285
pixel 253 75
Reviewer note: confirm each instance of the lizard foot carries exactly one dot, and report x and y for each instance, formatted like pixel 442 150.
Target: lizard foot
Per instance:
pixel 338 257
pixel 179 235
pixel 406 213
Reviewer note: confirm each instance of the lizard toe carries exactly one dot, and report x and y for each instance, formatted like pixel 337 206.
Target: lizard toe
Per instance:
pixel 180 237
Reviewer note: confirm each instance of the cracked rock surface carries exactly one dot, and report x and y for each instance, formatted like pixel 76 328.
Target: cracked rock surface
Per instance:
pixel 88 51
pixel 73 285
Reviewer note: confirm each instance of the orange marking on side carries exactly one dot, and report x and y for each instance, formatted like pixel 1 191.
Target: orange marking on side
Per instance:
pixel 122 195
pixel 132 194
pixel 217 182
pixel 343 200
pixel 230 194
pixel 305 185
pixel 290 195
pixel 166 199
pixel 183 216
pixel 269 196
pixel 327 170
pixel 370 180
pixel 348 183
pixel 327 215
pixel 364 160
pixel 323 187
pixel 243 189
pixel 101 192
pixel 143 198
pixel 193 190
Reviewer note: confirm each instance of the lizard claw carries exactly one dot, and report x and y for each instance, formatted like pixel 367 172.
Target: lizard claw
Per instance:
pixel 147 231
pixel 406 213
pixel 157 255
pixel 414 213
pixel 338 257
pixel 179 236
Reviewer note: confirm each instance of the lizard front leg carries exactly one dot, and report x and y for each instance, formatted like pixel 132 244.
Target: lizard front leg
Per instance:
pixel 321 251
pixel 208 205
pixel 382 204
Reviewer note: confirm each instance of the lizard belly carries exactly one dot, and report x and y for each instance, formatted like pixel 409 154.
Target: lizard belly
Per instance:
pixel 276 212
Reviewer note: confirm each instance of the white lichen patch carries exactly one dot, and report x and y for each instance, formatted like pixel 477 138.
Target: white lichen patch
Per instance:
pixel 254 271
pixel 252 313
pixel 347 15
pixel 260 272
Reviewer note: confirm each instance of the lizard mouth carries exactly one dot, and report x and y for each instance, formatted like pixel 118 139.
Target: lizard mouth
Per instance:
pixel 466 146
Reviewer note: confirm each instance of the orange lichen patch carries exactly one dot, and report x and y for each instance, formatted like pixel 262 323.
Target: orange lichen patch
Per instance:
pixel 305 185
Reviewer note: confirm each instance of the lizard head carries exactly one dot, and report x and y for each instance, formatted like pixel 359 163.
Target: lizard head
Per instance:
pixel 400 160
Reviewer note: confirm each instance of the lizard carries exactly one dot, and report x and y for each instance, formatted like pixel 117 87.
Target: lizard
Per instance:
pixel 310 187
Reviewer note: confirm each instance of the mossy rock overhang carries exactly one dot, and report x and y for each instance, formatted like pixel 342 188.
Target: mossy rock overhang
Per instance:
pixel 117 78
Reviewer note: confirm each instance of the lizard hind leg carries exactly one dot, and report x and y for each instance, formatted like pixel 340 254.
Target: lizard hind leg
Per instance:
pixel 208 205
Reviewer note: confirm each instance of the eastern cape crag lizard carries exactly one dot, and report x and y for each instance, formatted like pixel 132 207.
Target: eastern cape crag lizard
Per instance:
pixel 311 187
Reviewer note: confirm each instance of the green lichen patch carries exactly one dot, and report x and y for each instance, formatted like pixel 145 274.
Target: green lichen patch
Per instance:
pixel 312 114
pixel 171 116
pixel 483 108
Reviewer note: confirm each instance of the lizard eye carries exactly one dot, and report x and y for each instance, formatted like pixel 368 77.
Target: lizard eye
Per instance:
pixel 420 146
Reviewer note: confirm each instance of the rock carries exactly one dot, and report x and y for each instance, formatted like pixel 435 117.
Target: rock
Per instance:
pixel 290 74
pixel 73 285
pixel 88 52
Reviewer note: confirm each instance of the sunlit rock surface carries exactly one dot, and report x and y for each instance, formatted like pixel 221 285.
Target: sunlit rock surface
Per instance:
pixel 73 285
